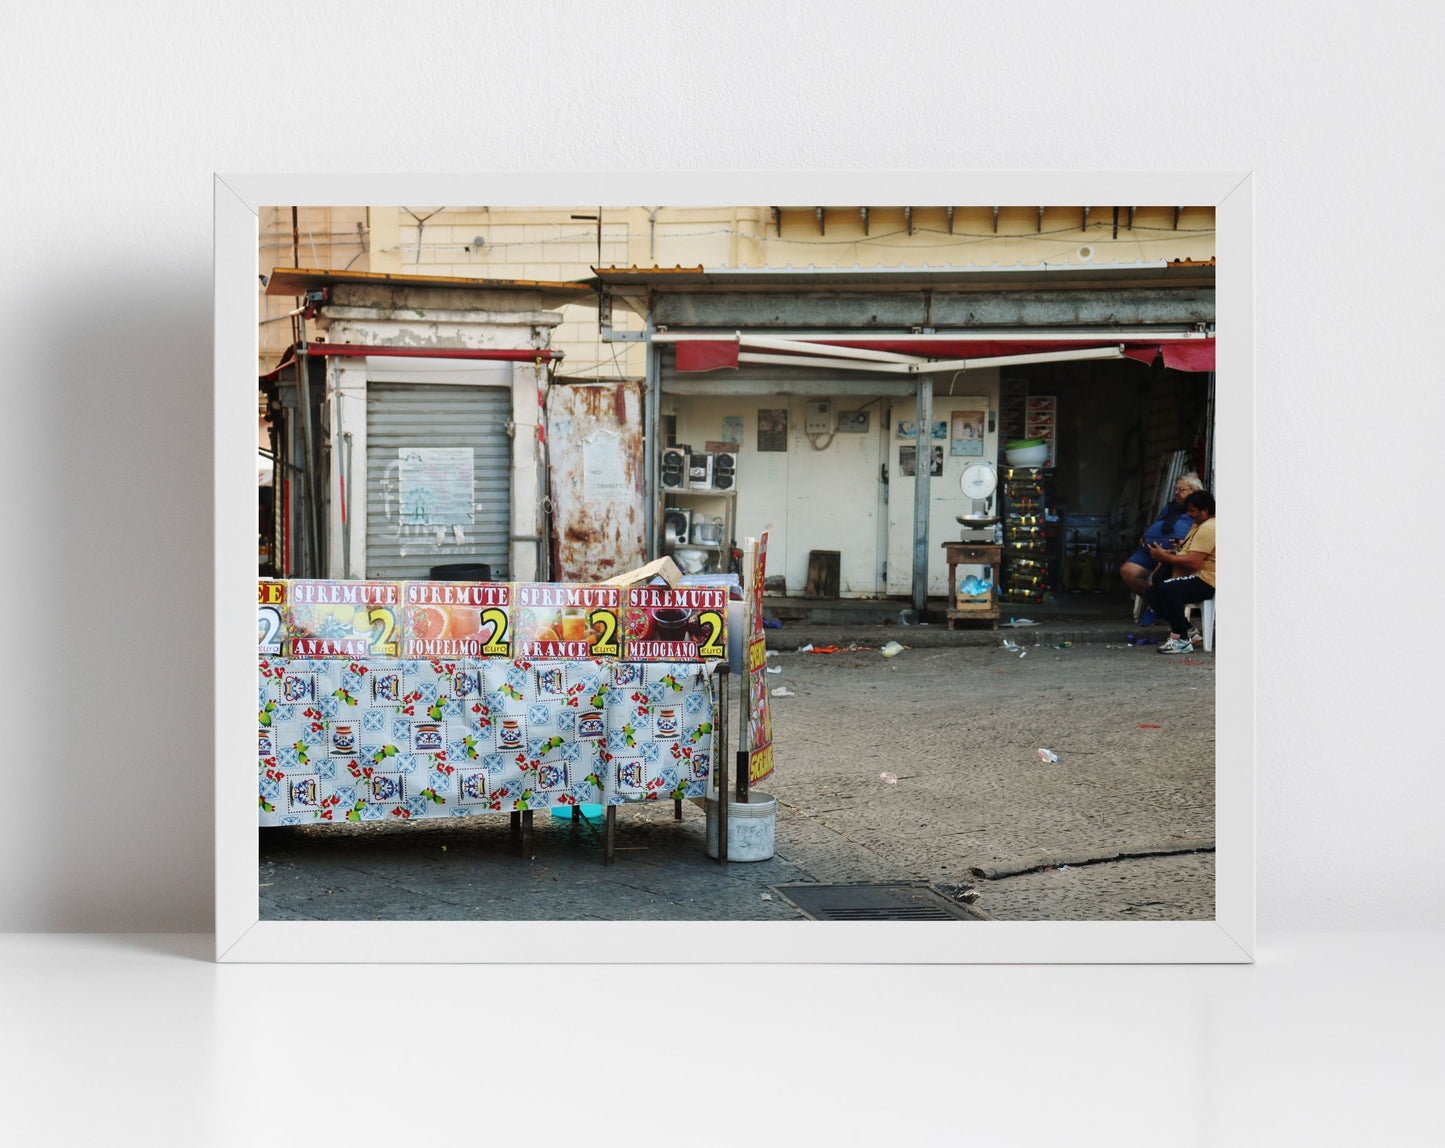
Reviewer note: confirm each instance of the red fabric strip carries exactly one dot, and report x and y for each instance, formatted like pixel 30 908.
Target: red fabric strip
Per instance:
pixel 707 354
pixel 1195 355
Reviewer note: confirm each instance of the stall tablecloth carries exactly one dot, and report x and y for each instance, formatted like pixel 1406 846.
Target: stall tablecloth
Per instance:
pixel 372 740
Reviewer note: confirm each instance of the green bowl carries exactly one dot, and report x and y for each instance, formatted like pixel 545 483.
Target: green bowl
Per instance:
pixel 1022 443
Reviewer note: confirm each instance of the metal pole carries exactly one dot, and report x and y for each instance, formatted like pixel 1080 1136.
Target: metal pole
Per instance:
pixel 1209 437
pixel 313 522
pixel 649 439
pixel 745 705
pixel 346 505
pixel 720 762
pixel 922 468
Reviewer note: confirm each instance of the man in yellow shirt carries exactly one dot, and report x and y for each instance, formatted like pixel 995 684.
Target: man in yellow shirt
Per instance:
pixel 1191 574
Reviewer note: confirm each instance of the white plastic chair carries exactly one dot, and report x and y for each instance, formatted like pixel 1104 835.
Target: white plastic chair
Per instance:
pixel 1206 622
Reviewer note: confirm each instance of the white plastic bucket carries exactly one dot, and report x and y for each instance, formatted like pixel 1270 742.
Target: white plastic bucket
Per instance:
pixel 751 826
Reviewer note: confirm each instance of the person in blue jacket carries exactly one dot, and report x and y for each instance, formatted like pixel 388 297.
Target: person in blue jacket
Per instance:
pixel 1166 531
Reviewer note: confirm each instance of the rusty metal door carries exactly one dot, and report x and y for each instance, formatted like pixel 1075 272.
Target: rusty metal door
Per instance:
pixel 594 442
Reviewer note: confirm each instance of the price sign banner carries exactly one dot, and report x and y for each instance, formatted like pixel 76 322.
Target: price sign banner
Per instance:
pixel 325 619
pixel 683 625
pixel 270 618
pixel 563 620
pixel 458 620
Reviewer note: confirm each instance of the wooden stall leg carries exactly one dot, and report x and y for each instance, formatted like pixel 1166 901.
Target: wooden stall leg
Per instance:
pixel 514 832
pixel 576 813
pixel 677 809
pixel 609 835
pixel 528 846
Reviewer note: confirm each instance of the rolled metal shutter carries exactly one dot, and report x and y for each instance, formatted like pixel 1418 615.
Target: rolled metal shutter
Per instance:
pixel 412 415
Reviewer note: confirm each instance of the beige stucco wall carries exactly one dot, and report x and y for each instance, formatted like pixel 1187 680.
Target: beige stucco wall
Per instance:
pixel 327 239
pixel 547 244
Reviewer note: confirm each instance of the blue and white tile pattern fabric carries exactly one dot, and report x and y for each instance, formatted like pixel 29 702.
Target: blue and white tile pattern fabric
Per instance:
pixel 368 741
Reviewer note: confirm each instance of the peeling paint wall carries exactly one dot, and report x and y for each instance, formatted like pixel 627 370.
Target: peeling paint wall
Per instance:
pixel 594 436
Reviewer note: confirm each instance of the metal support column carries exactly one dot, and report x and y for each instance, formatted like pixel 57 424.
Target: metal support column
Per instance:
pixel 745 701
pixel 649 439
pixel 922 468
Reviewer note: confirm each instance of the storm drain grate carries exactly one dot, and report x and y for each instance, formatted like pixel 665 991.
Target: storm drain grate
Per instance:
pixel 887 902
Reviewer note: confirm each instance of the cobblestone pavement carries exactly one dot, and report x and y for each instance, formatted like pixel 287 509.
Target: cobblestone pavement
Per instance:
pixel 959 724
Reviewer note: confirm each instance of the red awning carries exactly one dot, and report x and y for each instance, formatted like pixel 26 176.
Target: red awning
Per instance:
pixel 1181 355
pixel 707 354
pixel 1190 356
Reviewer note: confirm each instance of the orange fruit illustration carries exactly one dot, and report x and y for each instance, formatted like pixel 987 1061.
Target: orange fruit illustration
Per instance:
pixel 428 622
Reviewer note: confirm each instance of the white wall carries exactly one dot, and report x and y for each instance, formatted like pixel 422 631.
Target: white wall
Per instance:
pixel 115 117
pixel 805 498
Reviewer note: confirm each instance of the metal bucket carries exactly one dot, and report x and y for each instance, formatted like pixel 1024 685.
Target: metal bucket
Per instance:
pixel 751 827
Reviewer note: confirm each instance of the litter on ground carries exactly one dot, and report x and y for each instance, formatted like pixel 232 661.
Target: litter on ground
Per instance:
pixel 1048 755
pixel 893 649
pixel 888 778
pixel 1020 622
pixel 783 692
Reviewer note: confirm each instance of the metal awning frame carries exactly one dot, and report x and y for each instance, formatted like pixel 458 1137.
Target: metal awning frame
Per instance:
pixel 817 350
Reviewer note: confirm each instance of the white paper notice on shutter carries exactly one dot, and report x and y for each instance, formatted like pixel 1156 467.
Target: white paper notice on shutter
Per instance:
pixel 435 485
pixel 604 478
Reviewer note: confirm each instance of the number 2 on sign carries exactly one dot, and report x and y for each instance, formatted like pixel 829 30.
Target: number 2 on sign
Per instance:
pixel 270 618
pixel 711 646
pixel 606 644
pixel 499 645
pixel 383 624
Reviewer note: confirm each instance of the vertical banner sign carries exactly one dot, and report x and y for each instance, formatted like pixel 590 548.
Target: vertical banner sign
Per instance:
pixel 760 719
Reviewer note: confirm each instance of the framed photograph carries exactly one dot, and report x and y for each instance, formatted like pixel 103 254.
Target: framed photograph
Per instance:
pixel 436 759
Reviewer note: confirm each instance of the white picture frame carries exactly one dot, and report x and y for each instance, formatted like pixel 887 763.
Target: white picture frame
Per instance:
pixel 240 934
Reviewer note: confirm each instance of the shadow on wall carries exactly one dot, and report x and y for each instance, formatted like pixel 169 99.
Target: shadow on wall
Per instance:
pixel 112 708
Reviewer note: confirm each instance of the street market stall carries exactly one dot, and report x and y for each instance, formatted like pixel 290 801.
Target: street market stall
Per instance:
pixel 410 700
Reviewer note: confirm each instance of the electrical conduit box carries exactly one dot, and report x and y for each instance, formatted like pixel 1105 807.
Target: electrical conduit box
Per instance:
pixel 819 417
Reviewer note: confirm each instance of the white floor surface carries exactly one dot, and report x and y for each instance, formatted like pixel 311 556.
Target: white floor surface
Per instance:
pixel 1326 1040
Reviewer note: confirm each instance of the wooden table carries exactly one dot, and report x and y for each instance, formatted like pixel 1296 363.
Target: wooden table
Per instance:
pixel 972 554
